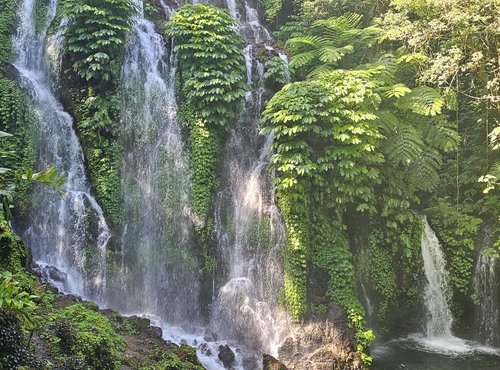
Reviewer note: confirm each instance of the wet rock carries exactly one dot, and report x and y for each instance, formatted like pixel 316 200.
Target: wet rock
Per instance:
pixel 211 337
pixel 226 355
pixel 140 323
pixel 270 363
pixel 251 362
pixel 205 349
pixel 157 331
pixel 321 344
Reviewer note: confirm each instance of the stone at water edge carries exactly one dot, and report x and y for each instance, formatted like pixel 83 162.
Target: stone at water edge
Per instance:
pixel 270 363
pixel 226 355
pixel 322 344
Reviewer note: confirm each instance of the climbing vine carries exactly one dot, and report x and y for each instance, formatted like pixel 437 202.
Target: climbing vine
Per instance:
pixel 212 83
pixel 95 46
pixel 457 232
pixel 96 38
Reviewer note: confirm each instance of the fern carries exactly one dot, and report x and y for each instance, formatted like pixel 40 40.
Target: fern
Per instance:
pixel 425 101
pixel 425 171
pixel 329 41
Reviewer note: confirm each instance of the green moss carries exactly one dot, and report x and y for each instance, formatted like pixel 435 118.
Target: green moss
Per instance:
pixel 88 335
pixel 97 119
pixel 13 253
pixel 8 18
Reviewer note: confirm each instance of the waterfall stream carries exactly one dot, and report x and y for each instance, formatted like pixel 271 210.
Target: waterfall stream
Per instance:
pixel 436 295
pixel 58 235
pixel 155 267
pixel 485 285
pixel 248 224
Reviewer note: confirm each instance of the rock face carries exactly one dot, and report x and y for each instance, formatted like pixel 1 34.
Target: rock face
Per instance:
pixel 320 344
pixel 226 355
pixel 270 363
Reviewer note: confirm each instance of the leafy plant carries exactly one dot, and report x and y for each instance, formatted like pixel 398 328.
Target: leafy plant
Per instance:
pixel 212 79
pixel 328 41
pixel 13 299
pixel 95 37
pixel 89 335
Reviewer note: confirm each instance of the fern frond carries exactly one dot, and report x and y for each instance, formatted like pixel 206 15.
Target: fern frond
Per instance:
pixel 394 91
pixel 436 134
pixel 424 172
pixel 343 23
pixel 320 72
pixel 425 101
pixel 330 54
pixel 404 146
pixel 299 43
pixel 303 59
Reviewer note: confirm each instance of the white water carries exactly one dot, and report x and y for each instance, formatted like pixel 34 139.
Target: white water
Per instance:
pixel 155 267
pixel 58 236
pixel 146 278
pixel 437 294
pixel 485 285
pixel 249 228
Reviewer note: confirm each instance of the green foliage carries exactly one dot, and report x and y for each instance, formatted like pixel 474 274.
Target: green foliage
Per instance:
pixel 328 41
pixel 13 299
pixel 211 62
pixel 18 147
pixel 100 133
pixel 13 350
pixel 457 232
pixel 382 274
pixel 88 335
pixel 323 131
pixel 8 18
pixel 272 8
pixel 212 83
pixel 205 153
pixel 363 337
pixel 95 37
pixel 276 73
pixel 41 7
pixel 296 249
pixel 459 43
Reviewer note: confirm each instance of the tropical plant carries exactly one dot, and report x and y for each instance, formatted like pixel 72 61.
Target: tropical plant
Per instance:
pixel 328 41
pixel 95 37
pixel 212 83
pixel 14 300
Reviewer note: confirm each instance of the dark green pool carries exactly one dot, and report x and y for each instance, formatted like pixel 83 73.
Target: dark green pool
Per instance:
pixel 419 353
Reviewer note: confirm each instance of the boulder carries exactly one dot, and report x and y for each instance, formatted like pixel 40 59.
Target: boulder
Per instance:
pixel 226 355
pixel 270 363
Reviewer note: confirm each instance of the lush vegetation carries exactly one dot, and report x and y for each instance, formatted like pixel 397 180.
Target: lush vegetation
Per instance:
pixel 212 83
pixel 95 39
pixel 387 110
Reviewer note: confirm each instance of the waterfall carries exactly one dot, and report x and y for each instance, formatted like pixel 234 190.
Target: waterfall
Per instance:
pixel 486 290
pixel 248 225
pixel 436 295
pixel 156 266
pixel 71 253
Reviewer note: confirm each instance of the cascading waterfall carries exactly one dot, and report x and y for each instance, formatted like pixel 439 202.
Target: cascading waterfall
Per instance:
pixel 249 228
pixel 486 290
pixel 436 295
pixel 151 270
pixel 156 266
pixel 62 244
